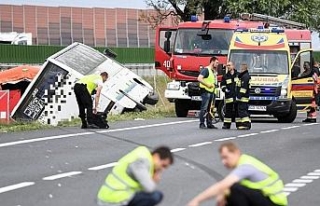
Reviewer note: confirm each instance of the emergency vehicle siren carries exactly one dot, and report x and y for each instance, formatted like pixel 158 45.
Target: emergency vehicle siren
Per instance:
pixel 194 18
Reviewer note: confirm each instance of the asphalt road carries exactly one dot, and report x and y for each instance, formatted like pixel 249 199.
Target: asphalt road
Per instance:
pixel 66 166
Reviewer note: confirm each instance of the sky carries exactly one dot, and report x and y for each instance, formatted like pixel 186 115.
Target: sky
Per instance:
pixel 140 4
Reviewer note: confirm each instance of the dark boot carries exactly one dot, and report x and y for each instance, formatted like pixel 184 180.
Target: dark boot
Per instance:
pixel 310 120
pixel 211 126
pixel 202 126
pixel 226 126
pixel 84 124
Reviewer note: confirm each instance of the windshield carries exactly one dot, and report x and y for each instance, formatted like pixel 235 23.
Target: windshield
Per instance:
pixel 188 42
pixel 274 62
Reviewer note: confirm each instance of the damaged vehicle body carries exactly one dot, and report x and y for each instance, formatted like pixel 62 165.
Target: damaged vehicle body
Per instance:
pixel 50 97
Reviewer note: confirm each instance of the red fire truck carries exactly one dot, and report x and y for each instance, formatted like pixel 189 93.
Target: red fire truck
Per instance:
pixel 181 51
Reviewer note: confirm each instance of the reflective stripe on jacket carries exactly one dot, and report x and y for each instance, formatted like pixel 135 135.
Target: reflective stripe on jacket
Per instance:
pixel 119 186
pixel 271 187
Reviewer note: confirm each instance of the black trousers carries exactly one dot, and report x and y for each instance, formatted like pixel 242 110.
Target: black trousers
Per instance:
pixel 231 113
pixel 243 196
pixel 243 113
pixel 84 101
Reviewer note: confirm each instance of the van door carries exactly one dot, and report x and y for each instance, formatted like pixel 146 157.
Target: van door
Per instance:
pixel 163 48
pixel 303 85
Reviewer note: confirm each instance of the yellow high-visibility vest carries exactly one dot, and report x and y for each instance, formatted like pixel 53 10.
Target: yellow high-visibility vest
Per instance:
pixel 119 186
pixel 90 81
pixel 211 79
pixel 271 187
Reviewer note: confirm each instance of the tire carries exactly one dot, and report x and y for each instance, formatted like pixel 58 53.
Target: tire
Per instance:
pixel 151 99
pixel 139 105
pixel 181 107
pixel 221 110
pixel 289 118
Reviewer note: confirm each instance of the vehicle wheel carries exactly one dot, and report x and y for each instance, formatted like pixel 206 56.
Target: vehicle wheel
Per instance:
pixel 181 107
pixel 221 110
pixel 289 118
pixel 151 99
pixel 139 105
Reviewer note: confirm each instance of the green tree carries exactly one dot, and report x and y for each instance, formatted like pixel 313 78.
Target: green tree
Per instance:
pixel 307 12
pixel 302 11
pixel 183 10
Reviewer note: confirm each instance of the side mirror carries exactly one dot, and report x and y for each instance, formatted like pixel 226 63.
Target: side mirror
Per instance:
pixel 167 34
pixel 166 46
pixel 204 35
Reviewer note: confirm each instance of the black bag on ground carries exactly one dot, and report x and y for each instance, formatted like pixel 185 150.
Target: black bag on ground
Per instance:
pixel 100 119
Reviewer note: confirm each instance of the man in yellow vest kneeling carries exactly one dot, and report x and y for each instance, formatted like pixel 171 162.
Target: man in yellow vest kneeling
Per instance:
pixel 132 182
pixel 83 90
pixel 251 183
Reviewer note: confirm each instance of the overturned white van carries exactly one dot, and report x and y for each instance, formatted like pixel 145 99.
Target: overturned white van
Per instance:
pixel 50 97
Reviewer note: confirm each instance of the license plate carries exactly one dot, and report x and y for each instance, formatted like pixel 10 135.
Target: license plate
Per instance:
pixel 257 108
pixel 196 98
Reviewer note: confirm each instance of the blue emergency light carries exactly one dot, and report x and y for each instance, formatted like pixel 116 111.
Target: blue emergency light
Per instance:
pixel 226 19
pixel 276 30
pixel 194 18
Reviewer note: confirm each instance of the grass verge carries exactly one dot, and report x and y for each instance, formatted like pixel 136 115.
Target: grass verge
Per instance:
pixel 161 110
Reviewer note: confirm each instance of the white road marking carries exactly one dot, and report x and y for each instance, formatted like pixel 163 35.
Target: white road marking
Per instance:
pixel 286 193
pixel 247 135
pixel 292 127
pixel 295 185
pixel 43 139
pixel 310 177
pixel 101 167
pixel 177 149
pixel 15 186
pixel 224 139
pixel 89 133
pixel 290 189
pixel 302 181
pixel 314 174
pixel 146 126
pixel 59 176
pixel 309 124
pixel 269 131
pixel 200 144
pixel 317 171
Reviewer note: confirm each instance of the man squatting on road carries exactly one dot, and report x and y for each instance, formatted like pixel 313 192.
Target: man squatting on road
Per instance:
pixel 132 182
pixel 251 183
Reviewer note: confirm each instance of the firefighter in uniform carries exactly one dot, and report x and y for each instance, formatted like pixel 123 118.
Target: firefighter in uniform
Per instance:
pixel 243 91
pixel 83 90
pixel 228 86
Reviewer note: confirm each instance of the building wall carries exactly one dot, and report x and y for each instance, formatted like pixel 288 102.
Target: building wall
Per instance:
pixel 92 26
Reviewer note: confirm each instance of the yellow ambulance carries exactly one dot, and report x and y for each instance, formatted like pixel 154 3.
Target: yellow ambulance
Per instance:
pixel 267 54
